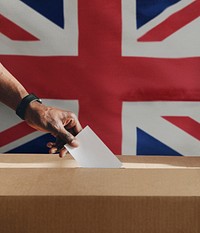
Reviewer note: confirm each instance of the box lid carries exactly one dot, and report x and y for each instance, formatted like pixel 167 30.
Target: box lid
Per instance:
pixel 26 174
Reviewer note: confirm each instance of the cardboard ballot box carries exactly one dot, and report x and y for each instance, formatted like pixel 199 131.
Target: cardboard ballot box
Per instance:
pixel 44 194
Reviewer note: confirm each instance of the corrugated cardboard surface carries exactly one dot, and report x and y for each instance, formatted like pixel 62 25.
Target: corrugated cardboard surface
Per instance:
pixel 43 193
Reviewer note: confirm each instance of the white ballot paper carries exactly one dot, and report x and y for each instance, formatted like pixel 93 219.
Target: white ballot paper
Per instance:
pixel 92 152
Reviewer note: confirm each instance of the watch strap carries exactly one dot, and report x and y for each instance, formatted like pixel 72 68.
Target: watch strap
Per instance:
pixel 21 108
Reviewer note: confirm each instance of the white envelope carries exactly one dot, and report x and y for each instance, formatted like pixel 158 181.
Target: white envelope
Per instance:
pixel 92 152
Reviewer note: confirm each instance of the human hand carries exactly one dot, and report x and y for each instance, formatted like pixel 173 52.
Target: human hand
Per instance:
pixel 64 125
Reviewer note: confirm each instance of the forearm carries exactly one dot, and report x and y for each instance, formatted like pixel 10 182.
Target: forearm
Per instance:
pixel 64 125
pixel 11 91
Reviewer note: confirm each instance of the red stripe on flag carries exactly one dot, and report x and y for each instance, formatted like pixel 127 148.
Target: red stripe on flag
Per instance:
pixel 185 123
pixel 104 78
pixel 14 133
pixel 13 31
pixel 173 23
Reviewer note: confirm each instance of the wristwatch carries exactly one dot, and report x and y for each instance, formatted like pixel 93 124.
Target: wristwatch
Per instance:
pixel 21 108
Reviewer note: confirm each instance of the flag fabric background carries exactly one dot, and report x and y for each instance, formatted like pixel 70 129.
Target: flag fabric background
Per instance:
pixel 128 68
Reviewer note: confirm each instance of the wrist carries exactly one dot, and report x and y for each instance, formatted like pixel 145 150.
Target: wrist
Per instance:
pixel 25 103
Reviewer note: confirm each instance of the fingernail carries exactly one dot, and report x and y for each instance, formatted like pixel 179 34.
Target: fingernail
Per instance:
pixel 74 143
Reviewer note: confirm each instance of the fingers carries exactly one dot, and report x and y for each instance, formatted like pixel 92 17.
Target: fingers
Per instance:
pixel 77 127
pixel 59 146
pixel 73 125
pixel 69 126
pixel 63 138
pixel 63 152
pixel 54 149
pixel 67 137
pixel 72 129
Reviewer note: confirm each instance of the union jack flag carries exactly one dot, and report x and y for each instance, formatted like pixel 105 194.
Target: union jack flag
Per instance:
pixel 161 28
pixel 102 59
pixel 167 126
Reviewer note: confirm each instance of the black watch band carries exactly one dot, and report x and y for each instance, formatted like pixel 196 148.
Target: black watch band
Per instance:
pixel 21 108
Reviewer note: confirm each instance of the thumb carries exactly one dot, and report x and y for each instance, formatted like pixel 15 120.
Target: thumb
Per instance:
pixel 68 138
